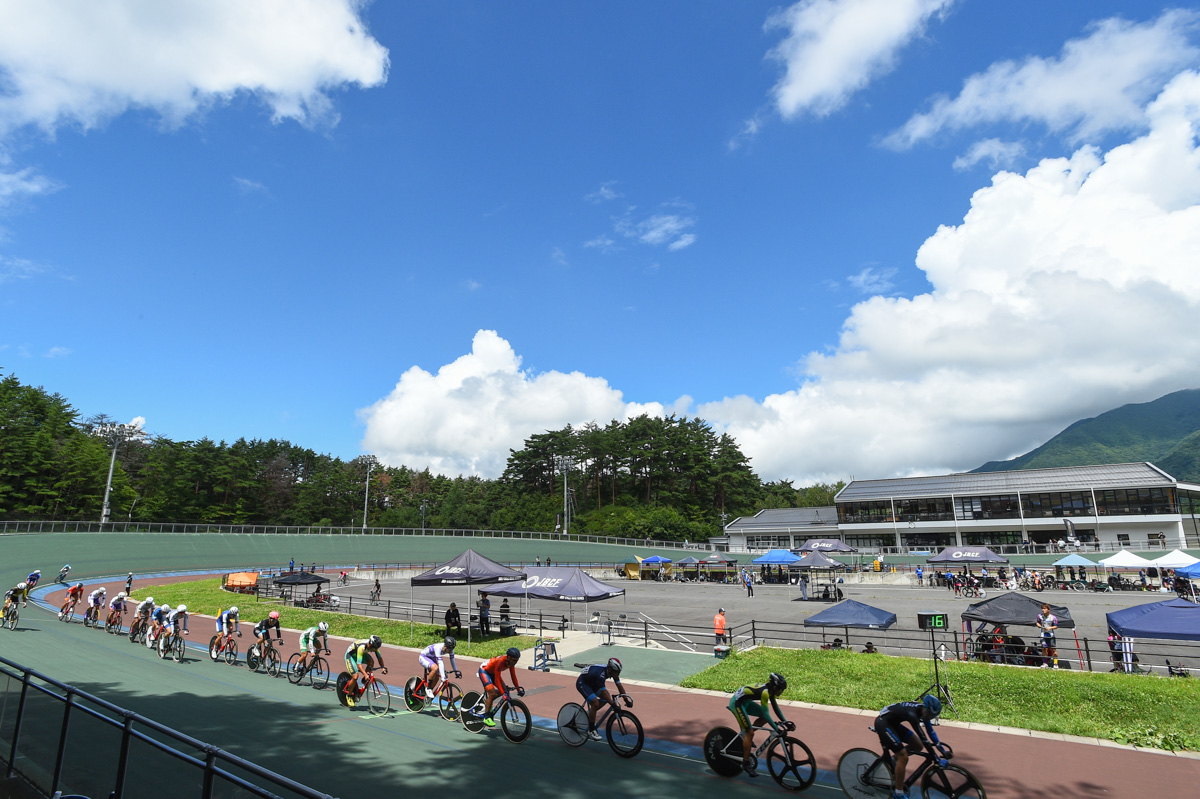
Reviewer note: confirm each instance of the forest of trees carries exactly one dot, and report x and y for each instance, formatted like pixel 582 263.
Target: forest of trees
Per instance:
pixel 671 478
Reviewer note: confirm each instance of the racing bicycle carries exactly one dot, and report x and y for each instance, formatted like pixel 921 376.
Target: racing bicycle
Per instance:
pixel 257 658
pixel 448 696
pixel 66 615
pixel 375 693
pixel 138 629
pixel 622 728
pixel 515 721
pixel 315 670
pixel 112 622
pixel 863 773
pixel 91 616
pixel 172 645
pixel 789 760
pixel 11 614
pixel 223 647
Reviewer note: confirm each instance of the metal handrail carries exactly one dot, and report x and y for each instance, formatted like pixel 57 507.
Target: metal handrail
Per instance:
pixel 209 758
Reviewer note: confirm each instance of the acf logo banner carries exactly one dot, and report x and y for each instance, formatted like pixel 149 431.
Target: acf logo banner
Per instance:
pixel 542 582
pixel 450 570
pixel 966 553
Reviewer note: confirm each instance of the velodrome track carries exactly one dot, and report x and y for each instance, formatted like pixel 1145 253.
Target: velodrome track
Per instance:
pixel 300 732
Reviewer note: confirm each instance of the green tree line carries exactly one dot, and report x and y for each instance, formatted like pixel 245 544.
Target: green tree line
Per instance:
pixel 666 478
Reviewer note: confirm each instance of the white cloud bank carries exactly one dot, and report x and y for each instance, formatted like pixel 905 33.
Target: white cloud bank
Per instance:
pixel 835 48
pixel 1064 292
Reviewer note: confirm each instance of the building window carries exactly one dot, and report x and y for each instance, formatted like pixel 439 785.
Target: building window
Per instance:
pixel 992 538
pixel 1137 502
pixel 1057 504
pixel 875 512
pixel 931 541
pixel 934 509
pixel 1004 506
pixel 875 541
pixel 768 542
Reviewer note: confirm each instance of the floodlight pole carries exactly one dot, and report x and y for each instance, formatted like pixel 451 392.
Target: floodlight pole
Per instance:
pixel 114 434
pixel 564 464
pixel 367 490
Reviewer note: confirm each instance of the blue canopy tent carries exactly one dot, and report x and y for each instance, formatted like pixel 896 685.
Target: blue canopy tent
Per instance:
pixel 654 563
pixel 848 613
pixel 1173 619
pixel 776 557
pixel 1073 560
pixel 1191 572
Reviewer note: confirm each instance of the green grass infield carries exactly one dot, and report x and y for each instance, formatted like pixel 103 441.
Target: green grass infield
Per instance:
pixel 208 598
pixel 1146 711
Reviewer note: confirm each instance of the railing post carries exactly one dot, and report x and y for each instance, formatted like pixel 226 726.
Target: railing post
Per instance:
pixel 646 633
pixel 1087 651
pixel 210 765
pixel 12 758
pixel 62 741
pixel 123 759
pixel 753 633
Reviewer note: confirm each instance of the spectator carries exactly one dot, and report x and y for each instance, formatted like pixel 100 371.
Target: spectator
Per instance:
pixel 504 610
pixel 292 565
pixel 749 580
pixel 719 627
pixel 1047 622
pixel 537 561
pixel 804 586
pixel 1142 578
pixel 870 649
pixel 547 561
pixel 920 578
pixel 453 621
pixel 485 613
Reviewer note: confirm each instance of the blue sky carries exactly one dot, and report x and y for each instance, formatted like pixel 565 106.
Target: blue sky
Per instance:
pixel 865 237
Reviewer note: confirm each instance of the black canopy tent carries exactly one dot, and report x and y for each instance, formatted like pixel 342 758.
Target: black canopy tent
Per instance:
pixel 688 564
pixel 966 555
pixel 849 613
pixel 715 561
pixel 1013 609
pixel 469 568
pixel 294 579
pixel 559 584
pixel 819 561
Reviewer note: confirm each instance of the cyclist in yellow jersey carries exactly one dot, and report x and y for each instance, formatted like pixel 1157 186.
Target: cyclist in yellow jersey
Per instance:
pixel 359 662
pixel 18 593
pixel 750 700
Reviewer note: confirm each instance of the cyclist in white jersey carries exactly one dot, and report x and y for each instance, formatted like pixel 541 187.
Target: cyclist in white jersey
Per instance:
pixel 432 658
pixel 309 643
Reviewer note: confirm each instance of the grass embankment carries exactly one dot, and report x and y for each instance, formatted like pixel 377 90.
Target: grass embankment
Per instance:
pixel 1141 710
pixel 207 597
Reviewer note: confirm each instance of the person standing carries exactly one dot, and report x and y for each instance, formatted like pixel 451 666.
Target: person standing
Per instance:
pixel 129 584
pixel 719 627
pixel 920 576
pixel 1047 622
pixel 749 578
pixel 292 565
pixel 804 586
pixel 485 612
pixel 537 561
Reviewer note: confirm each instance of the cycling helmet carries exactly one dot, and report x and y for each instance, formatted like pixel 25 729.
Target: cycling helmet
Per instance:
pixel 131 574
pixel 233 611
pixel 37 571
pixel 932 704
pixel 513 653
pixel 182 608
pixel 274 614
pixel 149 600
pixel 449 643
pixel 614 667
pixel 79 585
pixel 323 626
pixel 776 683
pixel 121 595
pixel 375 642
pixel 21 586
pixel 67 566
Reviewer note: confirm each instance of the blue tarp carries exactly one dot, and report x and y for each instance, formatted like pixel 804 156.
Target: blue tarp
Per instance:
pixel 776 557
pixel 849 613
pixel 1175 619
pixel 1073 560
pixel 1191 572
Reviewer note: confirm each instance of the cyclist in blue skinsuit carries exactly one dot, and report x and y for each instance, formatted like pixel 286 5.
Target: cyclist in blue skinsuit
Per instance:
pixel 591 684
pixel 898 739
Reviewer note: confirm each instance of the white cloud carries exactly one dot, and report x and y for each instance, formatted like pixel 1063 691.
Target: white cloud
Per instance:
pixel 994 152
pixel 1064 292
pixel 71 63
pixel 1098 83
pixel 18 269
pixel 473 285
pixel 57 352
pixel 22 183
pixel 465 418
pixel 601 242
pixel 659 229
pixel 835 48
pixel 605 193
pixel 873 281
pixel 686 240
pixel 558 256
pixel 247 186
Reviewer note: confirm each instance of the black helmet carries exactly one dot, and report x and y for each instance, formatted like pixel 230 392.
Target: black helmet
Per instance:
pixel 375 642
pixel 449 643
pixel 513 653
pixel 776 683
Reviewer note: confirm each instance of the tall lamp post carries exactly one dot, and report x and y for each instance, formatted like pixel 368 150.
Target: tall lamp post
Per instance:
pixel 371 464
pixel 564 464
pixel 114 433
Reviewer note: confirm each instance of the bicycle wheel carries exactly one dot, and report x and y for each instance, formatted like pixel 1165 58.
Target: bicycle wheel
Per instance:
pixel 472 709
pixel 379 698
pixel 13 615
pixel 625 735
pixel 179 649
pixel 87 618
pixel 231 651
pixel 318 673
pixel 862 772
pixel 572 724
pixel 791 763
pixel 214 653
pixel 515 722
pixel 273 661
pixel 163 650
pixel 253 661
pixel 951 782
pixel 412 700
pixel 723 751
pixel 294 674
pixel 342 681
pixel 449 700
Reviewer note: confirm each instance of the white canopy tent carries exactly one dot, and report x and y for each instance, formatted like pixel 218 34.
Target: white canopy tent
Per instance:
pixel 1126 560
pixel 1176 559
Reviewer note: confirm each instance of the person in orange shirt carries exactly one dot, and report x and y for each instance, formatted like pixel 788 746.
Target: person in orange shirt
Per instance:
pixel 493 683
pixel 719 626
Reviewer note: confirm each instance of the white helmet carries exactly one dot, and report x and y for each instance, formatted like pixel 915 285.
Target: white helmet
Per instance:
pixel 121 595
pixel 37 571
pixel 323 626
pixel 20 586
pixel 149 600
pixel 131 574
pixel 233 611
pixel 182 608
pixel 164 606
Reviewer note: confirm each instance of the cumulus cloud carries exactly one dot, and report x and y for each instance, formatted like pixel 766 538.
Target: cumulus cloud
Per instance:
pixel 466 417
pixel 1098 83
pixel 993 152
pixel 1064 292
pixel 835 48
pixel 70 63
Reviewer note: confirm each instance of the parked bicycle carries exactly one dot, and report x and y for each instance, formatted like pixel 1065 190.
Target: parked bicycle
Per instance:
pixel 447 698
pixel 974 592
pixel 223 647
pixel 624 731
pixel 789 760
pixel 375 693
pixel 515 721
pixel 315 670
pixel 864 773
pixel 1178 670
pixel 269 660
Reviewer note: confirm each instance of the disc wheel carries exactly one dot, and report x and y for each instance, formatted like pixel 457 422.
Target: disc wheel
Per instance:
pixel 723 751
pixel 951 782
pixel 343 680
pixel 861 775
pixel 572 724
pixel 414 702
pixel 472 704
pixel 449 699
pixel 791 763
pixel 515 721
pixel 625 734
pixel 253 661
